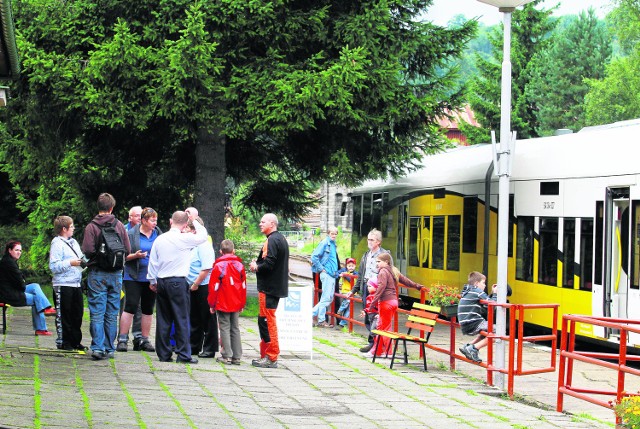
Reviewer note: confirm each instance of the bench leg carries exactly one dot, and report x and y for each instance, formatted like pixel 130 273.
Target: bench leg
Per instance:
pixel 395 349
pixel 424 356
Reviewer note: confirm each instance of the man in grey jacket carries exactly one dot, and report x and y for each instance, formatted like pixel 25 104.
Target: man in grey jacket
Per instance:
pixel 368 269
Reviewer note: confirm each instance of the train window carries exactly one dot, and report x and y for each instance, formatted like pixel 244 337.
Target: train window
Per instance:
pixel 425 241
pixel 414 234
pixel 549 188
pixel 453 243
pixel 548 252
pixel 376 211
pixel 438 243
pixel 356 232
pixel 597 257
pixel 337 198
pixel 568 252
pixel 366 225
pixel 586 254
pixel 635 246
pixel 524 249
pixel 470 226
pixel 512 222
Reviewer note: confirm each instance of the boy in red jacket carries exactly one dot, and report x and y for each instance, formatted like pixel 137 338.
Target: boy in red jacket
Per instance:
pixel 227 297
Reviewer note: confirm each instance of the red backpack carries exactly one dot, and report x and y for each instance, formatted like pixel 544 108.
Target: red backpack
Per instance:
pixel 228 287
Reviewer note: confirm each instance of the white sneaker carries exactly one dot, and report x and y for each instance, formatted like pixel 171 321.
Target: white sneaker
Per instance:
pixel 368 355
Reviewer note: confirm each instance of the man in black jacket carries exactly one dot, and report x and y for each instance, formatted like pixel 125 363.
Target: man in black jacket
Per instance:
pixel 272 272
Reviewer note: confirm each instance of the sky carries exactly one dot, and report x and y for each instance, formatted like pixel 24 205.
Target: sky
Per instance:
pixel 443 10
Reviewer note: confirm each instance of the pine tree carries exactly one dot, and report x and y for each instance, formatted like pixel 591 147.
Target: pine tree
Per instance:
pixel 557 86
pixel 529 35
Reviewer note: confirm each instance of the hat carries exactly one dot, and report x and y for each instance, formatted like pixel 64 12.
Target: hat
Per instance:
pixel 350 261
pixel 373 282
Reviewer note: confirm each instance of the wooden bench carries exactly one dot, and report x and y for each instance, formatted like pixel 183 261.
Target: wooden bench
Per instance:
pixel 4 316
pixel 422 318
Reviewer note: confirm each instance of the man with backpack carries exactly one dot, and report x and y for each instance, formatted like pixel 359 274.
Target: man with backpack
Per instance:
pixel 106 244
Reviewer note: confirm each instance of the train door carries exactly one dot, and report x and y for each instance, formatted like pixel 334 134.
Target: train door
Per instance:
pixel 403 230
pixel 617 242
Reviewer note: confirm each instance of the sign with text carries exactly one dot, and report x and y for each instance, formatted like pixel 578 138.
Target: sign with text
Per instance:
pixel 293 316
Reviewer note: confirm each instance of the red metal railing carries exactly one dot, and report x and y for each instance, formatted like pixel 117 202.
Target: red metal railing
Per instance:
pixel 568 354
pixel 515 338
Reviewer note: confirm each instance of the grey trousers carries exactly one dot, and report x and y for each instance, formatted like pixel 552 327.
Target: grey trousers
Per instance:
pixel 230 334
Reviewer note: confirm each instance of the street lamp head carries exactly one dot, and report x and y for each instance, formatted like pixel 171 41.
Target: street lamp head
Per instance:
pixel 506 5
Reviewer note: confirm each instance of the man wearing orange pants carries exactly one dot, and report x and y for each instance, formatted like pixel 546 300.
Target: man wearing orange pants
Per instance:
pixel 272 273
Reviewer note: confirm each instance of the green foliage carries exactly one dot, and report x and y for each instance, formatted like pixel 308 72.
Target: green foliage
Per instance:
pixel 251 308
pixel 616 96
pixel 157 101
pixel 530 29
pixel 577 52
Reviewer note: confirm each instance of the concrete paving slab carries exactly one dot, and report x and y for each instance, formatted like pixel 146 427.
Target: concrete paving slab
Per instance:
pixel 337 388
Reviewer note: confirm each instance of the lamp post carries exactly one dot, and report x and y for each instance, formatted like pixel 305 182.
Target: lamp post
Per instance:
pixel 503 171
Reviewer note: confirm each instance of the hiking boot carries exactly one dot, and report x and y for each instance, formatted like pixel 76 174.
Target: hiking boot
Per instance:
pixel 366 348
pixel 474 354
pixel 265 362
pixel 146 346
pixel 122 346
pixel 465 351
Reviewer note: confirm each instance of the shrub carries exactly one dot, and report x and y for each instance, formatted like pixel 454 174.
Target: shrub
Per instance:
pixel 628 410
pixel 443 295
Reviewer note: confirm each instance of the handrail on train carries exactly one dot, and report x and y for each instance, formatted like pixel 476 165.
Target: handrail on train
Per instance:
pixel 515 337
pixel 568 354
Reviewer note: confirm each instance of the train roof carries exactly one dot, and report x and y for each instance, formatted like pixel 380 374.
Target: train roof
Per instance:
pixel 608 150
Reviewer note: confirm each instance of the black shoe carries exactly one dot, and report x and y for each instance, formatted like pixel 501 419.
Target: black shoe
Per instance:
pixel 166 360
pixel 207 355
pixel 66 347
pixel 81 348
pixel 136 344
pixel 192 361
pixel 366 348
pixel 146 346
pixel 96 355
pixel 122 346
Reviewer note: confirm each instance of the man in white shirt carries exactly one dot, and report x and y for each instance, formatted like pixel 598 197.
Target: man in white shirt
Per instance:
pixel 167 273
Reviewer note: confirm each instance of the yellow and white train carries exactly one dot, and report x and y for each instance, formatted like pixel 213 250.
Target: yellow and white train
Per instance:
pixel 574 234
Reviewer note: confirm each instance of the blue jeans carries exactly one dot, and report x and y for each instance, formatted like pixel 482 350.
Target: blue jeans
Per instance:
pixel 38 302
pixel 103 298
pixel 343 310
pixel 328 289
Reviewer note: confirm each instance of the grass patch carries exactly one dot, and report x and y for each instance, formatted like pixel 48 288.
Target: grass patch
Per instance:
pixel 130 400
pixel 37 399
pixel 85 398
pixel 251 308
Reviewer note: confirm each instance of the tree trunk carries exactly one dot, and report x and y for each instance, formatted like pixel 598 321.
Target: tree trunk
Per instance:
pixel 211 173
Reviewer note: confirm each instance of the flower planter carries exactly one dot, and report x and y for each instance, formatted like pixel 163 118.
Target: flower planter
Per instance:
pixel 449 310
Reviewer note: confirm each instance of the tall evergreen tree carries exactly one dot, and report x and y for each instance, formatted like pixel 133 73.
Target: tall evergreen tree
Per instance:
pixel 158 101
pixel 558 74
pixel 529 35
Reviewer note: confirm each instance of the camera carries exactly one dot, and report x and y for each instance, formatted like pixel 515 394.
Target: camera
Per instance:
pixel 83 261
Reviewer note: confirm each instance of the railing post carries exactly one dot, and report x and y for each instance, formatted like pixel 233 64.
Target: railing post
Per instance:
pixel 561 369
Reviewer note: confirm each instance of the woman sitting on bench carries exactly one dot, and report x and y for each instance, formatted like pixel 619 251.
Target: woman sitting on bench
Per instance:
pixel 15 292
